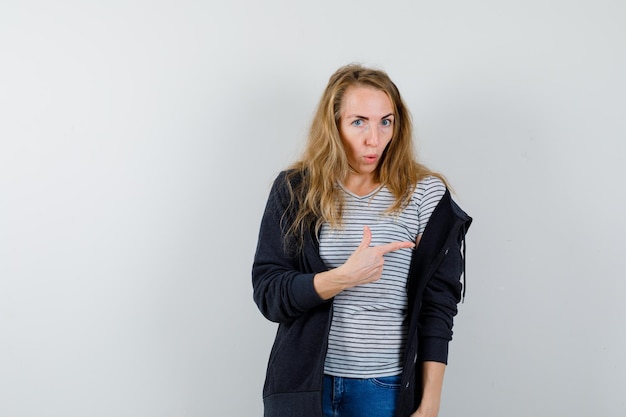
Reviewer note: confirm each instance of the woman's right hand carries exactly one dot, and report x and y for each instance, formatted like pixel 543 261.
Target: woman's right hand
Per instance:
pixel 365 265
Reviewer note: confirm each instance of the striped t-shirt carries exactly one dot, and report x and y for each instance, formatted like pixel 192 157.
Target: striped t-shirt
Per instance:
pixel 368 330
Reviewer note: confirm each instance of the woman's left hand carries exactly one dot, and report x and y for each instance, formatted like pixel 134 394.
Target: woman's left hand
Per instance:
pixel 426 410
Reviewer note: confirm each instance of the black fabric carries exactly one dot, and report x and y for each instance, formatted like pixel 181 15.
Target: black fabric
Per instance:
pixel 284 292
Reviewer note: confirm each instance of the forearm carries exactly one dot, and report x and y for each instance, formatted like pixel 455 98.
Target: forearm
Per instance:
pixel 365 265
pixel 432 377
pixel 432 385
pixel 328 284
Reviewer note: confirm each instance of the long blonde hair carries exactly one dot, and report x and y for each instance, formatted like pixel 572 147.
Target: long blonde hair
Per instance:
pixel 315 199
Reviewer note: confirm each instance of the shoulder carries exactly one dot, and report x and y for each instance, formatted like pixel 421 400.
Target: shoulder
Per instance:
pixel 430 184
pixel 290 177
pixel 447 212
pixel 285 182
pixel 429 191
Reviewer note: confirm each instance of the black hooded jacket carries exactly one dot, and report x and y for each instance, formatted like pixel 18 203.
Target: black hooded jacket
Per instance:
pixel 284 292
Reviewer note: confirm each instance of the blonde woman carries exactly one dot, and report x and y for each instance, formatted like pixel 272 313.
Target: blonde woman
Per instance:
pixel 359 260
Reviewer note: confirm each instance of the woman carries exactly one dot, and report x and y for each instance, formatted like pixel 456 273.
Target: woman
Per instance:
pixel 359 260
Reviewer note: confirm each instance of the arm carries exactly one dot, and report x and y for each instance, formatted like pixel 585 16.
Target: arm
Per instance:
pixel 440 296
pixel 282 288
pixel 432 383
pixel 432 377
pixel 365 265
pixel 439 306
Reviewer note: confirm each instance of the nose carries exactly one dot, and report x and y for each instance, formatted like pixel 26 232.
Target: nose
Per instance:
pixel 372 136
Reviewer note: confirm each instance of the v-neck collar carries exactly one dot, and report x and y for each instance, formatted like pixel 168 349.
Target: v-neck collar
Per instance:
pixel 360 197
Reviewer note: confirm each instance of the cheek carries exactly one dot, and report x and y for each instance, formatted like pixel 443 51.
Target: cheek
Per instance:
pixel 349 148
pixel 387 142
pixel 348 141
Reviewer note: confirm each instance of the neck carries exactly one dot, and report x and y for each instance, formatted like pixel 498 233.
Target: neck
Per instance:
pixel 360 184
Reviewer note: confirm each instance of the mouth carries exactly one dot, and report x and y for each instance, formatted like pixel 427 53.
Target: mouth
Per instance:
pixel 371 158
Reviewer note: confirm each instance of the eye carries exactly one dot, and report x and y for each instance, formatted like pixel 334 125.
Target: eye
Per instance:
pixel 386 122
pixel 357 123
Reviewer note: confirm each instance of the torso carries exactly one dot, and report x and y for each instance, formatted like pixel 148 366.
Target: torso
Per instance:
pixel 368 330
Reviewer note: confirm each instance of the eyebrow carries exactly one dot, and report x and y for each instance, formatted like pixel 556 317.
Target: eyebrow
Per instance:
pixel 356 116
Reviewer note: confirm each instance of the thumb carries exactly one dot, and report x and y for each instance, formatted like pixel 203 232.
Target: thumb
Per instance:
pixel 367 238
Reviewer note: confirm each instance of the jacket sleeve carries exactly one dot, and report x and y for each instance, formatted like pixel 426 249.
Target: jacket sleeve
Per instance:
pixel 439 303
pixel 282 284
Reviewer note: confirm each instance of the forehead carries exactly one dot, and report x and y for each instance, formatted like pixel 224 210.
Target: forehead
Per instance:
pixel 365 100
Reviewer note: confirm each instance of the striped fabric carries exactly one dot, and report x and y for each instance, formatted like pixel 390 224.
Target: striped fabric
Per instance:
pixel 368 330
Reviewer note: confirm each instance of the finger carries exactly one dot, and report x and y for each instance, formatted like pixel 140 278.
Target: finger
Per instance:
pixel 390 247
pixel 367 238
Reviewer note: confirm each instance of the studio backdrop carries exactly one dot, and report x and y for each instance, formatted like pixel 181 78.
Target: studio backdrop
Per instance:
pixel 139 140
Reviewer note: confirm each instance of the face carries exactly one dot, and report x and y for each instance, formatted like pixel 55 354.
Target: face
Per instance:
pixel 366 127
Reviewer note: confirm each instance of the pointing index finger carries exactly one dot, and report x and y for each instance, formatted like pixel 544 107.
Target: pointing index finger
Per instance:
pixel 393 246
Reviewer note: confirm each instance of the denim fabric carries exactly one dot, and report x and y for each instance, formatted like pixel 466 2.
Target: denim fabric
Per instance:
pixel 351 397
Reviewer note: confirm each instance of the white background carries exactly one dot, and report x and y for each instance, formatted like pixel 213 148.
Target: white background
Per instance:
pixel 139 139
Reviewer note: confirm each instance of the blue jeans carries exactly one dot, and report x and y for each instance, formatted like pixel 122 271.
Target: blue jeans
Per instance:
pixel 351 397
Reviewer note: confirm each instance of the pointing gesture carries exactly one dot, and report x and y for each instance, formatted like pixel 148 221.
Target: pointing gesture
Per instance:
pixel 365 265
